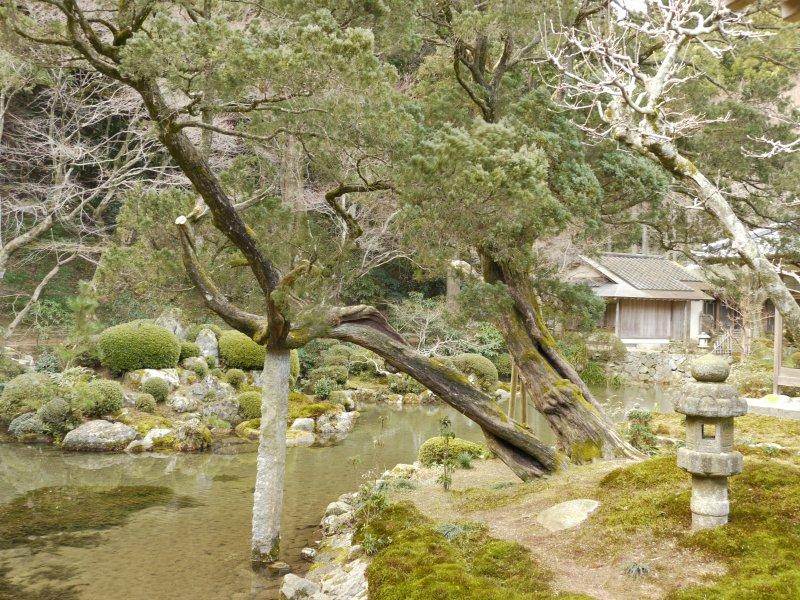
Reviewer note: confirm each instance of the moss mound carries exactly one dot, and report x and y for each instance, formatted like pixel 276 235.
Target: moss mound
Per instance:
pixel 138 345
pixel 432 451
pixel 51 510
pixel 238 351
pixel 480 367
pixel 455 562
pixel 250 405
pixel 236 377
pixel 158 388
pixel 188 350
pixel 99 397
pixel 26 393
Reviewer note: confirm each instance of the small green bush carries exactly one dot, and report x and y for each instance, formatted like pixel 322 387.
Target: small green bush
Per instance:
pixel 236 377
pixel 337 373
pixel 594 374
pixel 145 403
pixel 56 414
pixel 480 367
pixel 313 410
pixel 189 350
pixel 217 372
pixel 9 369
pixel 502 363
pixel 100 397
pixel 26 393
pixel 212 362
pixel 138 345
pixel 250 405
pixel 324 387
pixel 197 365
pixel 238 351
pixel 400 383
pixel 432 451
pixel 47 363
pixel 157 388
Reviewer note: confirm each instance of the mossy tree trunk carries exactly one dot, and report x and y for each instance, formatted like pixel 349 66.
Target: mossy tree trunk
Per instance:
pixel 268 492
pixel 583 430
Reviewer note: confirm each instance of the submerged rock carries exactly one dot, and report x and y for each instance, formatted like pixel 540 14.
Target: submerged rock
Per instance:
pixel 297 588
pixel 99 436
pixel 567 514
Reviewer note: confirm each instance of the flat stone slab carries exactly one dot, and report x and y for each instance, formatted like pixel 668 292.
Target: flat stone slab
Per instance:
pixel 567 514
pixel 775 406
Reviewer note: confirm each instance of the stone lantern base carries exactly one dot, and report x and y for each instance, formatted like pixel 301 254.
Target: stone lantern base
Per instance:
pixel 710 505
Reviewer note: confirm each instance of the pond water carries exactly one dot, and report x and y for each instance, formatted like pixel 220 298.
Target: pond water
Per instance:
pixel 199 550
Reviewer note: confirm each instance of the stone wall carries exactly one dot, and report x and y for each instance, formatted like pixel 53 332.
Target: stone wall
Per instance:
pixel 652 366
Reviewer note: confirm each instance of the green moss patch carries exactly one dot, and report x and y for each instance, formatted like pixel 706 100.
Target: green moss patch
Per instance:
pixel 302 406
pixel 421 561
pixel 503 494
pixel 51 510
pixel 760 546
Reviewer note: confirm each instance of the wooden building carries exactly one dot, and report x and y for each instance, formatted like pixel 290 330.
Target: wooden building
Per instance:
pixel 650 300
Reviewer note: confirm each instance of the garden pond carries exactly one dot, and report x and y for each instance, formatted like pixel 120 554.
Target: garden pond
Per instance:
pixel 177 525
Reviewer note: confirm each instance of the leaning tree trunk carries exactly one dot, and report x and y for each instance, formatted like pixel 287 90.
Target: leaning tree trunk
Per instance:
pixel 557 391
pixel 515 445
pixel 268 493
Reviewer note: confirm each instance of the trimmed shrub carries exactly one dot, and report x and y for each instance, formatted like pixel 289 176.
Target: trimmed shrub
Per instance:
pixel 189 350
pixel 145 403
pixel 432 451
pixel 238 351
pixel 337 373
pixel 138 345
pixel 56 414
pixel 478 366
pixel 100 397
pixel 401 383
pixel 157 388
pixel 250 405
pixel 502 363
pixel 26 393
pixel 47 363
pixel 236 377
pixel 324 387
pixel 212 362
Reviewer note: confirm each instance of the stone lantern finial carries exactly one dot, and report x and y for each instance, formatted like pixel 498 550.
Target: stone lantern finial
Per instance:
pixel 710 405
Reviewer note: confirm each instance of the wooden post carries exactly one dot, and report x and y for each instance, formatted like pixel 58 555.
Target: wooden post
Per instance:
pixel 616 320
pixel 524 402
pixel 777 353
pixel 513 398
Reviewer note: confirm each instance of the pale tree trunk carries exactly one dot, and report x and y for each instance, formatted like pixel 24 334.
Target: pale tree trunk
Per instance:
pixel 268 494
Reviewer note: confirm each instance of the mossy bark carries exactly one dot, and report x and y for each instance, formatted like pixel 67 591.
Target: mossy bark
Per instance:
pixel 555 388
pixel 268 493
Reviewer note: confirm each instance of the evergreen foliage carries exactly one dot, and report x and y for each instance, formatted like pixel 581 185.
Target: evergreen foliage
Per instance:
pixel 138 345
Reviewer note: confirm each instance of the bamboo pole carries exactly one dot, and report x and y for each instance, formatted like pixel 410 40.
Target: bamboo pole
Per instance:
pixel 512 399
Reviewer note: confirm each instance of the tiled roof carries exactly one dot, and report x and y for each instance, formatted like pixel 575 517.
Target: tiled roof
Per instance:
pixel 647 272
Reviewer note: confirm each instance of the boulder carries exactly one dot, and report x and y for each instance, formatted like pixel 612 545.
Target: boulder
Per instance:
pixel 308 554
pixel 182 404
pixel 171 321
pixel 304 424
pixel 210 389
pixel 169 375
pixel 227 410
pixel 711 368
pixel 337 508
pixel 99 436
pixel 295 437
pixel 192 436
pixel 567 514
pixel 297 588
pixel 208 343
pixel 157 438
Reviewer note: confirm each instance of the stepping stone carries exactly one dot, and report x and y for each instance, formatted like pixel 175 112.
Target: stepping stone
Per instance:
pixel 566 514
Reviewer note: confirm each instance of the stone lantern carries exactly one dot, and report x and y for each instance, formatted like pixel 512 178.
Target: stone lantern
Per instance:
pixel 710 406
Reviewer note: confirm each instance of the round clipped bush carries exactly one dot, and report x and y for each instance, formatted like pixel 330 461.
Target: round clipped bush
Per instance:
pixel 503 365
pixel 433 450
pixel 157 388
pixel 55 414
pixel 26 393
pixel 236 377
pixel 337 373
pixel 189 350
pixel 100 397
pixel 138 345
pixel 250 405
pixel 480 367
pixel 238 351
pixel 324 387
pixel 145 403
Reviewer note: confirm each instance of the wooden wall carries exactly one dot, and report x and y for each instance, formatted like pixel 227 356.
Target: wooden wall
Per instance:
pixel 652 319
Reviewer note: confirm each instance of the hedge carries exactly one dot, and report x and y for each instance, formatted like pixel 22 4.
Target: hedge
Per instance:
pixel 239 351
pixel 138 345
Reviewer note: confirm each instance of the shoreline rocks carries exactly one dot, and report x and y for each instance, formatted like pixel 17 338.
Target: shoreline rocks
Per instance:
pixel 99 436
